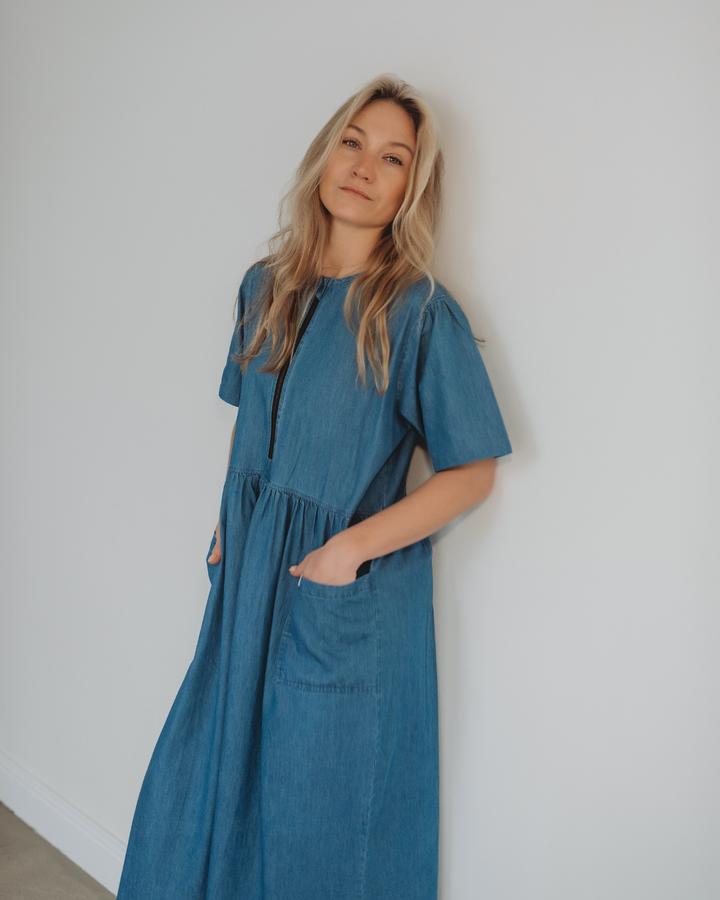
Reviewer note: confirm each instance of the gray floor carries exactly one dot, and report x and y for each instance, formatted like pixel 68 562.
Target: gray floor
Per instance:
pixel 32 869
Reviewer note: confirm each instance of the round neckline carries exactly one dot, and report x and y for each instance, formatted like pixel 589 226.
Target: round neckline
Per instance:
pixel 328 280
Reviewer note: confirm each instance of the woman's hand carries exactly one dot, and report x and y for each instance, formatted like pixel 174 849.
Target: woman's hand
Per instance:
pixel 335 563
pixel 437 501
pixel 216 554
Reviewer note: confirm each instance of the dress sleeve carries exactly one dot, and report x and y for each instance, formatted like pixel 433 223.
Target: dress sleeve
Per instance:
pixel 445 392
pixel 231 382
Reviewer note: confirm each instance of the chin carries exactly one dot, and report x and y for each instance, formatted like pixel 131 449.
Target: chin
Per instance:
pixel 344 213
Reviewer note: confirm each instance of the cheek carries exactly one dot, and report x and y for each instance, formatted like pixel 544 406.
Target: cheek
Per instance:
pixel 326 182
pixel 396 194
pixel 333 170
pixel 326 177
pixel 332 177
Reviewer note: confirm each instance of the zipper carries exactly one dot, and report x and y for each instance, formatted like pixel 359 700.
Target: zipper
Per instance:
pixel 283 372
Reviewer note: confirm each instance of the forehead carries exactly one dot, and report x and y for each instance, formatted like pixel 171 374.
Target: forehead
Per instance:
pixel 387 121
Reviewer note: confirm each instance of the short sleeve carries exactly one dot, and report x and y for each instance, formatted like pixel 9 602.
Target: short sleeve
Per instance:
pixel 444 391
pixel 231 382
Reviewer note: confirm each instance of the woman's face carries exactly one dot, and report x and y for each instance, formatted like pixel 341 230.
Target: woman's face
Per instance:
pixel 365 181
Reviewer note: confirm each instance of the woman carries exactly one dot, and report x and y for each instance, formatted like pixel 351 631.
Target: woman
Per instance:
pixel 300 758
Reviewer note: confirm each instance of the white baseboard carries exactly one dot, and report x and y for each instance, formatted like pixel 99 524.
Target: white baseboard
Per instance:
pixel 83 841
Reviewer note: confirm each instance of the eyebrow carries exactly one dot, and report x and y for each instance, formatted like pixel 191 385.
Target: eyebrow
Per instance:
pixel 391 143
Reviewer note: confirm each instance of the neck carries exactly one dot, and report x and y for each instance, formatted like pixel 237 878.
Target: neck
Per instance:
pixel 348 249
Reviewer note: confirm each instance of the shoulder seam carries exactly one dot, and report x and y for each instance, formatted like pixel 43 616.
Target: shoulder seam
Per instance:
pixel 434 300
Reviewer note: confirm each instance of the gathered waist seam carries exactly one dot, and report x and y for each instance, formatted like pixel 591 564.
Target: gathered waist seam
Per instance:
pixel 292 492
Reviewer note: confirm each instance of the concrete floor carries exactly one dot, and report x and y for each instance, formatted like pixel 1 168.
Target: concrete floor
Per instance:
pixel 32 869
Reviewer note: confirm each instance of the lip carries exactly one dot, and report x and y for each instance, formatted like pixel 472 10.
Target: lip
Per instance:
pixel 356 191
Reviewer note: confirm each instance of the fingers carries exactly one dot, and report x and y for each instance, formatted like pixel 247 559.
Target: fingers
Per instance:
pixel 216 554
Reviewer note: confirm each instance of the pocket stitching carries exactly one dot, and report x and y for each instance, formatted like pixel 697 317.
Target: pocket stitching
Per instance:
pixel 323 590
pixel 280 676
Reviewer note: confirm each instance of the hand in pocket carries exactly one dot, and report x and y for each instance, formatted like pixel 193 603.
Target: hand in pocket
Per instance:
pixel 333 564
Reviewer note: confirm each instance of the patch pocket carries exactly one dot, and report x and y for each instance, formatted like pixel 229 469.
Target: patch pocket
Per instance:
pixel 329 641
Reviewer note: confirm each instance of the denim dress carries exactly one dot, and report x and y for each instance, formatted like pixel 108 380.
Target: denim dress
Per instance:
pixel 299 760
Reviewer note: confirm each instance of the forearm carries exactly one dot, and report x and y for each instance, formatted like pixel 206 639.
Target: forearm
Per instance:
pixel 232 438
pixel 443 497
pixel 216 553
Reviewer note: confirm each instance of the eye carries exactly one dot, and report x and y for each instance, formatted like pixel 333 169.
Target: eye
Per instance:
pixel 351 141
pixel 398 161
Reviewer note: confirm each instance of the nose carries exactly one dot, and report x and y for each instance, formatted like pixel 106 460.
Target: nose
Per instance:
pixel 364 167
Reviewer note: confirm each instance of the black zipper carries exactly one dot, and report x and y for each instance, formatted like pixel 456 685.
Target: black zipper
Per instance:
pixel 283 372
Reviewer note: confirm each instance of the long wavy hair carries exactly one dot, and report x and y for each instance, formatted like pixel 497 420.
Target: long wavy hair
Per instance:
pixel 402 256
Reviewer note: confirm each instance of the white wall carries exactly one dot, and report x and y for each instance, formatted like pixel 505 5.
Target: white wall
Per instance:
pixel 144 149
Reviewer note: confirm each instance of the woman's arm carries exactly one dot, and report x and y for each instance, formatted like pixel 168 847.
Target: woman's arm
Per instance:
pixel 439 500
pixel 216 554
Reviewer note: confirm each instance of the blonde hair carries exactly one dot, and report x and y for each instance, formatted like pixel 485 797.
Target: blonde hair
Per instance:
pixel 402 256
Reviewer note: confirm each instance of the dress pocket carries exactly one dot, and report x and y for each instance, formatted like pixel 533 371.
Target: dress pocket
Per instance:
pixel 329 642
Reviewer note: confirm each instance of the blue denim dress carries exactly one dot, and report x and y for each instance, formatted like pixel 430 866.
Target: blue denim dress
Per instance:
pixel 299 760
